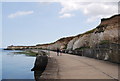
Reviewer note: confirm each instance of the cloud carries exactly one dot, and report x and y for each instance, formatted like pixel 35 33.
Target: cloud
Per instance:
pixel 68 7
pixel 99 10
pixel 66 15
pixel 20 13
pixel 93 10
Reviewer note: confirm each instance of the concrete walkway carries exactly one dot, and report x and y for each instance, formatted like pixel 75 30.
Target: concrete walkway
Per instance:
pixel 79 67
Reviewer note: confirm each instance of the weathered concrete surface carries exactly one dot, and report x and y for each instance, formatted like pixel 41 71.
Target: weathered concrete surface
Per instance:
pixel 77 67
pixel 52 69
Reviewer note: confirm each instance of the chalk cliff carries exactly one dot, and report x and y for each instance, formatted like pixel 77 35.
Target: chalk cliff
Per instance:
pixel 107 30
pixel 60 44
pixel 101 42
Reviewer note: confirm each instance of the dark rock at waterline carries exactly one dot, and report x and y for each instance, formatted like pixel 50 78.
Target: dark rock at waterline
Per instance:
pixel 40 64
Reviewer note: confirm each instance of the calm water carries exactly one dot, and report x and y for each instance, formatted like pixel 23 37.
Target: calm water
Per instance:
pixel 16 66
pixel 0 65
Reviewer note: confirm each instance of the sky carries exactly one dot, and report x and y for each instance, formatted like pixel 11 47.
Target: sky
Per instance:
pixel 0 24
pixel 31 23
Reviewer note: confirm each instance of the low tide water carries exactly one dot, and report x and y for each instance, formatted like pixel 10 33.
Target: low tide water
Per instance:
pixel 16 66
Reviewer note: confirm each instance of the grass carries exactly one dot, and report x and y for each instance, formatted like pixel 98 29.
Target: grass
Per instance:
pixel 88 32
pixel 81 48
pixel 104 42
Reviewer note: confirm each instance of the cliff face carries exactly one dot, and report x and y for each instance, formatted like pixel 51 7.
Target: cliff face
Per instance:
pixel 60 44
pixel 106 31
pixel 71 43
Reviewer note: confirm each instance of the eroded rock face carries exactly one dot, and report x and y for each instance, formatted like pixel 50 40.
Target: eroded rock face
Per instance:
pixel 59 44
pixel 107 30
pixel 71 43
pixel 55 46
pixel 82 41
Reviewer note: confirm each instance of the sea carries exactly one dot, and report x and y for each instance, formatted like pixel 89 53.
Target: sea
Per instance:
pixel 15 66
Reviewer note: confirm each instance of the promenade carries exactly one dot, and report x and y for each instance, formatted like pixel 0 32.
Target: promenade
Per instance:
pixel 78 67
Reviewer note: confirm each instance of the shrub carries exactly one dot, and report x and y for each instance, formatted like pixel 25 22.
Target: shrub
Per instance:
pixel 81 48
pixel 104 42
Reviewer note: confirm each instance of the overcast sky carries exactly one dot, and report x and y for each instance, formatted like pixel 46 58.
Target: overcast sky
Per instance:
pixel 31 23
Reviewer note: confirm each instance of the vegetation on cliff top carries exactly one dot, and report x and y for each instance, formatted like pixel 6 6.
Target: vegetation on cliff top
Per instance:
pixel 83 47
pixel 88 32
pixel 64 39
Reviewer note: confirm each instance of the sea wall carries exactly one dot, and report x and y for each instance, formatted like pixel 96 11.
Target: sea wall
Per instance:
pixel 40 64
pixel 105 51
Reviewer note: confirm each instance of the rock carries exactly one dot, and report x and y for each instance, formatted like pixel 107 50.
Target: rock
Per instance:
pixel 60 44
pixel 82 41
pixel 40 63
pixel 71 43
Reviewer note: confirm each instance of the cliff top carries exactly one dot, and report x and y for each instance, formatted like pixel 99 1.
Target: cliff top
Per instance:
pixel 104 22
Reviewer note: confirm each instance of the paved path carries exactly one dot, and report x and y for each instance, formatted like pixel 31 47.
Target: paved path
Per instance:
pixel 79 67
